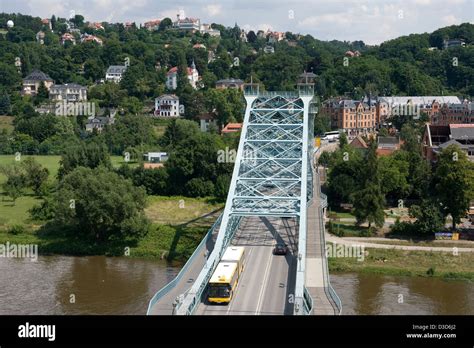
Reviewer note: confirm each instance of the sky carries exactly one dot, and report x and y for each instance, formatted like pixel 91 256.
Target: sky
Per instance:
pixel 372 21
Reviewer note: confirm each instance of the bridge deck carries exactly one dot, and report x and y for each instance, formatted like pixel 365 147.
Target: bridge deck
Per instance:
pixel 267 279
pixel 315 266
pixel 164 306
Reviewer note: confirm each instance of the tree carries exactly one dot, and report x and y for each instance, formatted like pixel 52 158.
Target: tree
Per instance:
pixel 131 105
pixel 222 187
pixel 5 106
pixel 369 201
pixel 178 132
pixel 428 215
pixel 343 140
pixel 369 204
pixel 15 181
pixel 383 132
pixel 101 205
pixel 89 155
pixel 166 23
pixel 9 77
pixel 35 175
pixel 199 187
pixel 454 182
pixel 130 130
pixel 322 124
pixel 251 36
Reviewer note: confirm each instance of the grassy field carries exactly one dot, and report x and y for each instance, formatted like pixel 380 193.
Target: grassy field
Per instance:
pixel 409 263
pixel 348 229
pixel 18 214
pixel 52 163
pixel 174 233
pixel 182 210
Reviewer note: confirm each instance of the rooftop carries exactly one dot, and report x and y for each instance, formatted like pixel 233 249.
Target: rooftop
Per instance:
pixel 37 75
pixel 116 69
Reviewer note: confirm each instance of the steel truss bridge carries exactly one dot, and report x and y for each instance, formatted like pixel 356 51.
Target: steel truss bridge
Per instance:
pixel 274 196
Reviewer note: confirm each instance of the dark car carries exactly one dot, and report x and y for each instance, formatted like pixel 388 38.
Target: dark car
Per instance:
pixel 280 249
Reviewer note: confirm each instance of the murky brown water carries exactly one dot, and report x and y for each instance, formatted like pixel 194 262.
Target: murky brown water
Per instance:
pixel 103 285
pixel 379 294
pixel 100 285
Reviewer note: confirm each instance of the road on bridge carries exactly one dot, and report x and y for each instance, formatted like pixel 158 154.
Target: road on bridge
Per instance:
pixel 268 280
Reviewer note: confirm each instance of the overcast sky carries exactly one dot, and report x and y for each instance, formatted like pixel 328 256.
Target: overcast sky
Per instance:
pixel 372 21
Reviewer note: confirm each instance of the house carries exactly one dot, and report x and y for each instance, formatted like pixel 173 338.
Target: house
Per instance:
pixel 40 37
pixel 359 143
pixel 230 83
pixel 453 43
pixel 68 37
pixel 33 81
pixel 452 113
pixel 275 36
pixel 354 117
pixel 115 73
pixel 207 121
pixel 91 38
pixel 207 29
pixel 47 23
pixel 243 36
pixel 436 138
pixel 155 157
pixel 269 49
pixel 71 92
pixel 198 46
pixel 211 56
pixel 387 145
pixel 95 26
pixel 231 128
pixel 172 77
pixel 193 24
pixel 167 106
pixel 99 123
pixel 152 25
pixel 395 106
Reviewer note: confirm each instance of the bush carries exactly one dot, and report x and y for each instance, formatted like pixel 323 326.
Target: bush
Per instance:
pixel 431 271
pixel 17 229
pixel 198 187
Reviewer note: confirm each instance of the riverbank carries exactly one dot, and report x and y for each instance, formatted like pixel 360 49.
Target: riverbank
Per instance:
pixel 178 225
pixel 408 263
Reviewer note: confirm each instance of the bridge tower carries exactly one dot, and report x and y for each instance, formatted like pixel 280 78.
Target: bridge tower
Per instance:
pixel 272 176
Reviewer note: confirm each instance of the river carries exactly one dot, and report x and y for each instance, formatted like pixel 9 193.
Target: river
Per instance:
pixel 100 285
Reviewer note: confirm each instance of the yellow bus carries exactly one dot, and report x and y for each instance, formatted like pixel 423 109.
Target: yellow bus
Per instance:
pixel 226 276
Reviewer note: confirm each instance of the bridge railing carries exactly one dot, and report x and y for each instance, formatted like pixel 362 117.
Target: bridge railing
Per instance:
pixel 330 290
pixel 307 303
pixel 171 285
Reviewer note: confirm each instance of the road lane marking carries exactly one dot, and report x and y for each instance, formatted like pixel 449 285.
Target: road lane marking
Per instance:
pixel 247 259
pixel 265 278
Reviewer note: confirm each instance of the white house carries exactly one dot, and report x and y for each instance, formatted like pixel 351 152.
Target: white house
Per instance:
pixel 207 121
pixel 172 77
pixel 167 105
pixel 71 92
pixel 156 157
pixel 193 24
pixel 115 73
